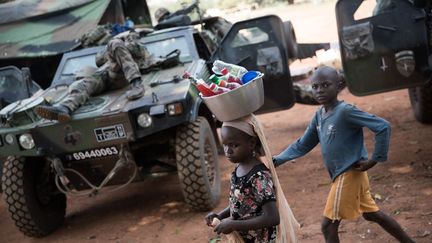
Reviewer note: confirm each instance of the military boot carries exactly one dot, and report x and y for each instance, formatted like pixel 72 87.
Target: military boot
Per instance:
pixel 136 90
pixel 56 112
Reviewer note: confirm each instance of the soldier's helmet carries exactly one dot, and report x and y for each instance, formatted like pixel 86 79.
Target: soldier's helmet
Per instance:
pixel 101 58
pixel 161 13
pixel 85 71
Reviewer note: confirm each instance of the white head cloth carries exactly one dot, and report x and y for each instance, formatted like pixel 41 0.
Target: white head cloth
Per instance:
pixel 244 124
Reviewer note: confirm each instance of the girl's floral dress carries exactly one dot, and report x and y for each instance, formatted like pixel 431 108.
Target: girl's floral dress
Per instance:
pixel 247 196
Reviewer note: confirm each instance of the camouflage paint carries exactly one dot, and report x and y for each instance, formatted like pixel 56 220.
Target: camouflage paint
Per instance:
pixel 51 34
pixel 17 10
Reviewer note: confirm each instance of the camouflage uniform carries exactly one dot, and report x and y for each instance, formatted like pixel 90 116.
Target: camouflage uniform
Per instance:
pixel 119 70
pixel 119 65
pixel 139 53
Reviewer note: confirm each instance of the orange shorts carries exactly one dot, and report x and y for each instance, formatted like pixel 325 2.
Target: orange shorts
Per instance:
pixel 349 197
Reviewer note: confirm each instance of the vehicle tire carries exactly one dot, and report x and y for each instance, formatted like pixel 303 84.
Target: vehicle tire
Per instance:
pixel 421 102
pixel 290 2
pixel 198 165
pixel 34 203
pixel 1 171
pixel 291 40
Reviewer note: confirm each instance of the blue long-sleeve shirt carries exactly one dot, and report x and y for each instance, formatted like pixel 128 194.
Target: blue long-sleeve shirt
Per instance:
pixel 340 135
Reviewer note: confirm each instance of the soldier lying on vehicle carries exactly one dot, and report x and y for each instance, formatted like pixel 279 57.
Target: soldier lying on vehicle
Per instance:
pixel 118 66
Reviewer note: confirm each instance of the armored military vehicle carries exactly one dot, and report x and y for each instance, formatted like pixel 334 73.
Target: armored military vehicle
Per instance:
pixel 389 49
pixel 112 141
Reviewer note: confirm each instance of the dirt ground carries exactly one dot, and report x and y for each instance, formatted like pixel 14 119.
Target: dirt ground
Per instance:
pixel 153 211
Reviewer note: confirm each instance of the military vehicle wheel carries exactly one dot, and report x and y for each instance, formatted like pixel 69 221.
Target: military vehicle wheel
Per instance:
pixel 421 102
pixel 291 40
pixel 198 164
pixel 1 171
pixel 34 203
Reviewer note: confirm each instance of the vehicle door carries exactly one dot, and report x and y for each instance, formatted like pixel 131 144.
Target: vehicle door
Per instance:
pixel 259 44
pixel 386 50
pixel 15 84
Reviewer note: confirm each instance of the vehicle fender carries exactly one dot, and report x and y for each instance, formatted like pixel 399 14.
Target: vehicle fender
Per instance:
pixel 195 109
pixel 199 108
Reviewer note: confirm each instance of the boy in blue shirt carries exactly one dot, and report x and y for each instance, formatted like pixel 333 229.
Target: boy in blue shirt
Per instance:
pixel 338 127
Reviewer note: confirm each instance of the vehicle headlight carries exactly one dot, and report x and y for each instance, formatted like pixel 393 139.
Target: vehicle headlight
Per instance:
pixel 144 120
pixel 9 139
pixel 175 109
pixel 26 141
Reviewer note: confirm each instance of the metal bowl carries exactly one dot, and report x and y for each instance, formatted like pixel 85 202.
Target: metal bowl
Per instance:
pixel 237 102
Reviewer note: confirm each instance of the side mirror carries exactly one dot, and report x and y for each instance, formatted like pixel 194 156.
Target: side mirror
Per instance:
pixel 27 79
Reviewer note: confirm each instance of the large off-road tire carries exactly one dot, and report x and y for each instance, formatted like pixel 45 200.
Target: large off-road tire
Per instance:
pixel 34 203
pixel 1 171
pixel 291 40
pixel 421 102
pixel 198 165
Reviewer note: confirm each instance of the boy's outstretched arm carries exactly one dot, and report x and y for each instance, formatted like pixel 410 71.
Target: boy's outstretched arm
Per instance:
pixel 364 165
pixel 269 217
pixel 301 147
pixel 377 125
